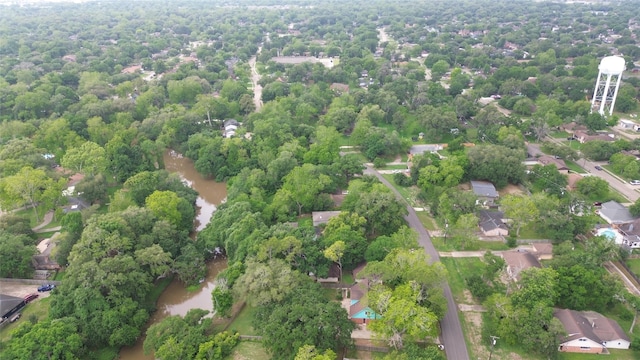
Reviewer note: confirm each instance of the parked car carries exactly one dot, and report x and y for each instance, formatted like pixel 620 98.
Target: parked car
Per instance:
pixel 30 297
pixel 598 167
pixel 15 317
pixel 634 182
pixel 46 287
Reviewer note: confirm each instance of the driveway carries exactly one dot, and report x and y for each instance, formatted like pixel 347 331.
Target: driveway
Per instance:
pixel 452 337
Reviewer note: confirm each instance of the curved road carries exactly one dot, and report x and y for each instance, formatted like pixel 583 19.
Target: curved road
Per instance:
pixel 452 337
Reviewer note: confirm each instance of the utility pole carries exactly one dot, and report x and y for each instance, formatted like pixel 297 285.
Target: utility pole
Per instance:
pixel 493 342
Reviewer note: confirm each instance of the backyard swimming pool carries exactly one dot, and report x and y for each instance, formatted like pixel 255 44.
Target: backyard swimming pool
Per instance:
pixel 610 234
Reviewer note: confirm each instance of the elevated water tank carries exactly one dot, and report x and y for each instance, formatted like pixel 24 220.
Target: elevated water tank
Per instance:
pixel 607 84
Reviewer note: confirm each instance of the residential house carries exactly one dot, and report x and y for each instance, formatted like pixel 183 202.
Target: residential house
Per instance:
pixel 552 160
pixel 572 180
pixel 339 88
pixel 44 260
pixel 322 217
pixel 230 128
pixel 615 213
pixel 631 234
pixel 485 191
pixel 628 124
pixel 543 251
pixel 519 260
pixel 590 332
pixel 359 311
pixel 492 223
pixel 572 127
pixel 583 136
pixel 421 149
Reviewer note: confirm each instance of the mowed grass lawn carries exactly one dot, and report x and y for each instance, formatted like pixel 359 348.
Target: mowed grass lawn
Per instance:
pixel 615 355
pixel 452 245
pixel 634 265
pixel 458 270
pixel 243 322
pixel 249 350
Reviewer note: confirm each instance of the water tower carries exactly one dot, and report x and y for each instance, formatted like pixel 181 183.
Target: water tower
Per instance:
pixel 609 76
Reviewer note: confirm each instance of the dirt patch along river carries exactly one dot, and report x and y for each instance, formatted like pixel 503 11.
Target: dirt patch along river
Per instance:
pixel 176 300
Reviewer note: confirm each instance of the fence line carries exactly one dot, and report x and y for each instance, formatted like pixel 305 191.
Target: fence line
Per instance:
pixel 631 273
pixel 251 337
pixel 372 348
pixel 30 281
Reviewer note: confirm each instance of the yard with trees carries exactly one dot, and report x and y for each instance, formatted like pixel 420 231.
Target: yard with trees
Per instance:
pixel 102 90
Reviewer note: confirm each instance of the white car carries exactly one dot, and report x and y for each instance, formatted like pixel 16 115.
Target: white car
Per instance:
pixel 634 182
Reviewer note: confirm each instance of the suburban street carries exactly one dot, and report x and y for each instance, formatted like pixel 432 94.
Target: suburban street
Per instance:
pixel 255 77
pixel 626 189
pixel 452 336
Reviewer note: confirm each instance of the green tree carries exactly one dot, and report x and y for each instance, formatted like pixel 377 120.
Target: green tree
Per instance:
pixel 464 230
pixel 520 209
pixel 497 164
pixel 26 187
pixel 547 178
pixel 335 252
pixel 264 283
pixel 309 352
pixel 403 266
pixel 48 339
pixel 383 212
pixel 325 325
pixel 536 286
pixel 220 347
pixel 176 337
pixel 303 184
pixel 593 187
pixel 16 252
pixel 89 158
pixel 438 69
pixel 634 209
pixel 325 146
pixel 166 205
pixel 403 318
pixel 93 188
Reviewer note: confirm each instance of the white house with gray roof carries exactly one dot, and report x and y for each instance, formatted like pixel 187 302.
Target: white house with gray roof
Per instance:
pixel 485 191
pixel 615 213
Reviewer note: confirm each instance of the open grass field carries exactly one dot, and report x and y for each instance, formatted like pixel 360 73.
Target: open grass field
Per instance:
pixel 427 221
pixel 249 350
pixel 450 245
pixel 458 270
pixel 243 322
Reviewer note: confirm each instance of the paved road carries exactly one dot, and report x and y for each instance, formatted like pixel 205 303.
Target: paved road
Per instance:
pixel 626 189
pixel 452 337
pixel 255 77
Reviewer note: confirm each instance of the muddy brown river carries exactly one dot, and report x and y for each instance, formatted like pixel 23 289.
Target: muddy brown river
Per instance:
pixel 176 300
